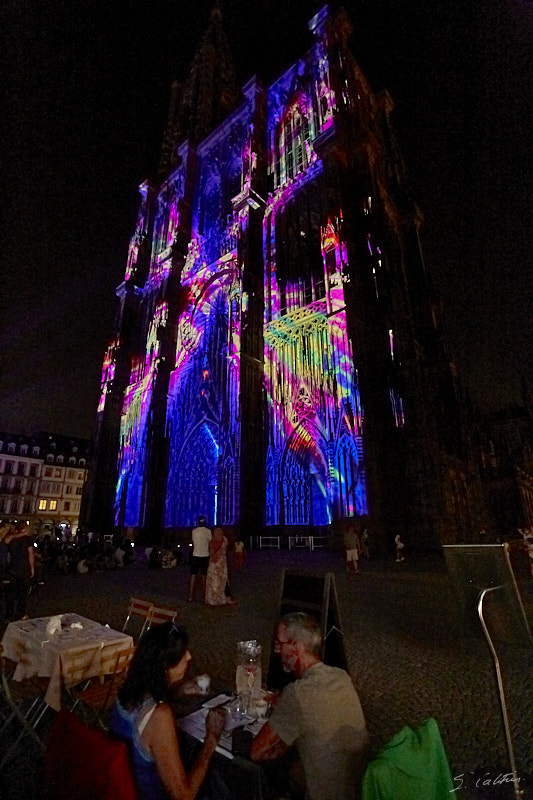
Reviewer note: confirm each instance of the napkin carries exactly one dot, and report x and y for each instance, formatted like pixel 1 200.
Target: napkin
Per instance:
pixel 53 625
pixel 77 625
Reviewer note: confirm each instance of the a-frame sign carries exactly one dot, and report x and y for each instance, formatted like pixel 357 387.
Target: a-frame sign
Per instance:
pixel 315 594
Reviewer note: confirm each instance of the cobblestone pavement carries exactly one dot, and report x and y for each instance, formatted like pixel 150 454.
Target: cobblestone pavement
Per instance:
pixel 402 636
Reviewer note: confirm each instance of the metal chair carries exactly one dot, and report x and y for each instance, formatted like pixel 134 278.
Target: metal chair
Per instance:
pixel 140 609
pixel 22 707
pixel 77 669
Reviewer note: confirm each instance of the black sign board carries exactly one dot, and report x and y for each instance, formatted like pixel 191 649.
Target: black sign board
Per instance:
pixel 316 595
pixel 475 567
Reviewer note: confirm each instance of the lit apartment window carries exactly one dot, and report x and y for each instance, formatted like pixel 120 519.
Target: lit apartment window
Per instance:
pixel 42 505
pixel 53 505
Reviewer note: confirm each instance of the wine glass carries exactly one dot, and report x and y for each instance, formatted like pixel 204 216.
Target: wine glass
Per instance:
pixel 238 707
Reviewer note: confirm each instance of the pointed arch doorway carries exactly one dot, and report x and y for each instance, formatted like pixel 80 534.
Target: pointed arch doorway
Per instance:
pixel 195 492
pixel 304 490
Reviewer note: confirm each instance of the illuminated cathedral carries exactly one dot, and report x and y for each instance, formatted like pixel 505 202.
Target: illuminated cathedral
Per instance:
pixel 277 362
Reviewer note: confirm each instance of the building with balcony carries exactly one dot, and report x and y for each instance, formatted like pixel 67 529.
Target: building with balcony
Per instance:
pixel 63 478
pixel 42 479
pixel 20 472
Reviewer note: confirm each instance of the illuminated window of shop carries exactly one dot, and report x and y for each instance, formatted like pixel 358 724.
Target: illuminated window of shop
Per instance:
pixel 53 505
pixel 42 505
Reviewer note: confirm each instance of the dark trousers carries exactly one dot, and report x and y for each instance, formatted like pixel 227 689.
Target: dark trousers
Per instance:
pixel 17 597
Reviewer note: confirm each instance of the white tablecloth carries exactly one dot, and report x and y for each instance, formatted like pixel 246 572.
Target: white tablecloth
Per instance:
pixel 38 653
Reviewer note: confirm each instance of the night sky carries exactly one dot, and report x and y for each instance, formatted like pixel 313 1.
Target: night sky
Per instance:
pixel 85 97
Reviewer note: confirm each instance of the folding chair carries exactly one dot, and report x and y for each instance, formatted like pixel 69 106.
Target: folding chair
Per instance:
pixel 83 763
pixel 98 698
pixel 78 667
pixel 159 614
pixel 22 708
pixel 138 608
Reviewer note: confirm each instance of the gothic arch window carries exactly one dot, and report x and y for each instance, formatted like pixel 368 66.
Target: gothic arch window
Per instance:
pixel 299 263
pixel 226 515
pixel 347 469
pixel 294 137
pixel 291 146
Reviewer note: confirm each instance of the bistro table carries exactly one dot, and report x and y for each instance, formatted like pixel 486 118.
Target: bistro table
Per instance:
pixel 37 652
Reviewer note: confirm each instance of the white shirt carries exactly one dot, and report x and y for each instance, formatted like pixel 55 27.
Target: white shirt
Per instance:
pixel 201 537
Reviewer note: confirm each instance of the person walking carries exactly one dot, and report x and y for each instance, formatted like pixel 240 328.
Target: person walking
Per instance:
pixel 200 537
pixel 353 548
pixel 399 548
pixel 239 554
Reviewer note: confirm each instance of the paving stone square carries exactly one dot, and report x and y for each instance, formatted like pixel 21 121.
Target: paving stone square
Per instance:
pixel 403 639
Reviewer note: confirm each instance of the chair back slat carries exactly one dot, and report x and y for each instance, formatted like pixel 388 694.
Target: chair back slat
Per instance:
pixel 140 608
pixel 159 614
pixel 77 666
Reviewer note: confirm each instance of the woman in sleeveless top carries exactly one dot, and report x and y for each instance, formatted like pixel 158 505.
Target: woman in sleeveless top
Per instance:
pixel 143 717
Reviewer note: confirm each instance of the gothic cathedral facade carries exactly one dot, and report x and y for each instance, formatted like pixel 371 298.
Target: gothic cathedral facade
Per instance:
pixel 278 361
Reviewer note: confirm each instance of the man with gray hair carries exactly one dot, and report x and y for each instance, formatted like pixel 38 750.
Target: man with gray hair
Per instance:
pixel 319 713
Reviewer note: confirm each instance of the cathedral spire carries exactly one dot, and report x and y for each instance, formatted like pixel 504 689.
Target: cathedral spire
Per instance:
pixel 208 95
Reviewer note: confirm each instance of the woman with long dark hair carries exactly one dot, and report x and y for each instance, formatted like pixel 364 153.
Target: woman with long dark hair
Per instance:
pixel 144 718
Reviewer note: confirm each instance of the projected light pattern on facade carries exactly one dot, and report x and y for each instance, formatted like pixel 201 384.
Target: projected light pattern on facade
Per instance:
pixel 314 460
pixel 311 425
pixel 277 360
